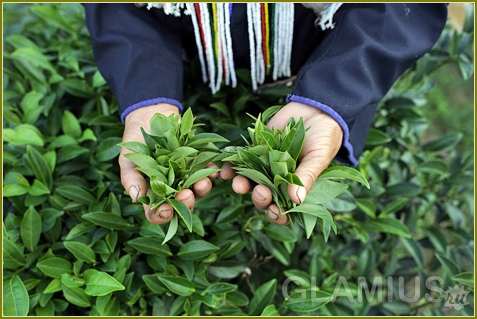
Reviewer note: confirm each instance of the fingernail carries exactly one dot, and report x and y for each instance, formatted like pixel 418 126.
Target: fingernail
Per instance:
pixel 259 198
pixel 272 215
pixel 165 213
pixel 301 194
pixel 134 193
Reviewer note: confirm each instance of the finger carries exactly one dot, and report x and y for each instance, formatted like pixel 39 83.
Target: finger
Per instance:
pixel 212 165
pixel 160 215
pixel 227 171
pixel 131 179
pixel 241 185
pixel 261 197
pixel 275 217
pixel 187 197
pixel 202 187
pixel 307 171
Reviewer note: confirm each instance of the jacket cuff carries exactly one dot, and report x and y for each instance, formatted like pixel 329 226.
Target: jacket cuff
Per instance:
pixel 346 145
pixel 150 102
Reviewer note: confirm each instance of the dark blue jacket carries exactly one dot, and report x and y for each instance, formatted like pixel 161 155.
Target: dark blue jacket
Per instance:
pixel 344 71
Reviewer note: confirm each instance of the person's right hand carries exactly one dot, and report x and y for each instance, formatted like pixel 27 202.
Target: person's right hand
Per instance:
pixel 134 182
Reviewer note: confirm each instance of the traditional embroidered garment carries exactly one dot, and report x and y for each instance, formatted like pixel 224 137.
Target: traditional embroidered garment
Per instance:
pixel 270 32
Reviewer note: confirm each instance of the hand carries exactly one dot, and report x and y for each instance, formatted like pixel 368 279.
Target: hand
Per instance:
pixel 322 142
pixel 134 182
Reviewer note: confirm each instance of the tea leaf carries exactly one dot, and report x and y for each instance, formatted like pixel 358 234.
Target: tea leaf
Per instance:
pixel 151 246
pixel 307 300
pixel 293 142
pixel 197 176
pixel 196 249
pixel 101 284
pixel 108 220
pixel 187 121
pixel 341 172
pixel 39 166
pixel 178 285
pixel 142 160
pixel 263 297
pixel 171 231
pixel 136 147
pixel 16 301
pixel 205 138
pixel 81 251
pixel 76 296
pixel 54 267
pixel 183 212
pixel 387 225
pixel 76 193
pixel 30 232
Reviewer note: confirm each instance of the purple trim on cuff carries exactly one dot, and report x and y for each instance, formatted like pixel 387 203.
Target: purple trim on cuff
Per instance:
pixel 150 102
pixel 328 110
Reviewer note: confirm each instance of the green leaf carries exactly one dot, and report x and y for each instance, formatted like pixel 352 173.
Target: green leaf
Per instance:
pixel 81 251
pixel 108 220
pixel 183 212
pixel 466 278
pixel 142 160
pixel 200 174
pixel 315 210
pixel 377 137
pixel 404 189
pixel 309 223
pixel 448 264
pixel 53 286
pixel 280 232
pixel 33 57
pixel 29 229
pixel 367 206
pixel 76 194
pixel 136 147
pixel 323 191
pixel 11 190
pixel 101 284
pixel 205 138
pixel 196 249
pixel 269 311
pixel 414 249
pixel 341 172
pixel 171 231
pixel 54 267
pixel 237 298
pixel 387 225
pixel 444 143
pixel 307 300
pixel 13 258
pixel 395 206
pixel 76 296
pixel 293 141
pixel 151 246
pixel 263 297
pixel 178 285
pixel 53 17
pixel 78 88
pixel 16 301
pixel 438 167
pixel 219 288
pixel 255 176
pixel 187 120
pixel 71 281
pixel 70 125
pixel 23 134
pixel 40 166
pixel 38 189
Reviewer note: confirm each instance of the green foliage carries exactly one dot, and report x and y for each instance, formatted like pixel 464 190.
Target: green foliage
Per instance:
pixel 74 244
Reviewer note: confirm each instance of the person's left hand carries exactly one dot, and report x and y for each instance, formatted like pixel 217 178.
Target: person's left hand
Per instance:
pixel 322 142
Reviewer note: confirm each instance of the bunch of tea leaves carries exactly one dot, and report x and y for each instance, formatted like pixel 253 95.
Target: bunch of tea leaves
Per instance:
pixel 173 158
pixel 270 158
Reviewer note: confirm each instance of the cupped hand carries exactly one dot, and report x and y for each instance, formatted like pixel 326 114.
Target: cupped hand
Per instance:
pixel 134 182
pixel 322 142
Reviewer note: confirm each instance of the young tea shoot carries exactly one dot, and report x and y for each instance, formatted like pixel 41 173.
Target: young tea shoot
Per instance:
pixel 173 158
pixel 270 158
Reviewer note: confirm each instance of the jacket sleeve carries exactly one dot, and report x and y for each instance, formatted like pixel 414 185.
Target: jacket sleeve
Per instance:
pixel 360 59
pixel 138 53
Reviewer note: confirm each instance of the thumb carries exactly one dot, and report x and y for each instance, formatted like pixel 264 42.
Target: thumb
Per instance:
pixel 310 167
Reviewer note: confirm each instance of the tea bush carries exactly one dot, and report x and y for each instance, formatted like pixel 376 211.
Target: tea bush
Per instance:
pixel 74 244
